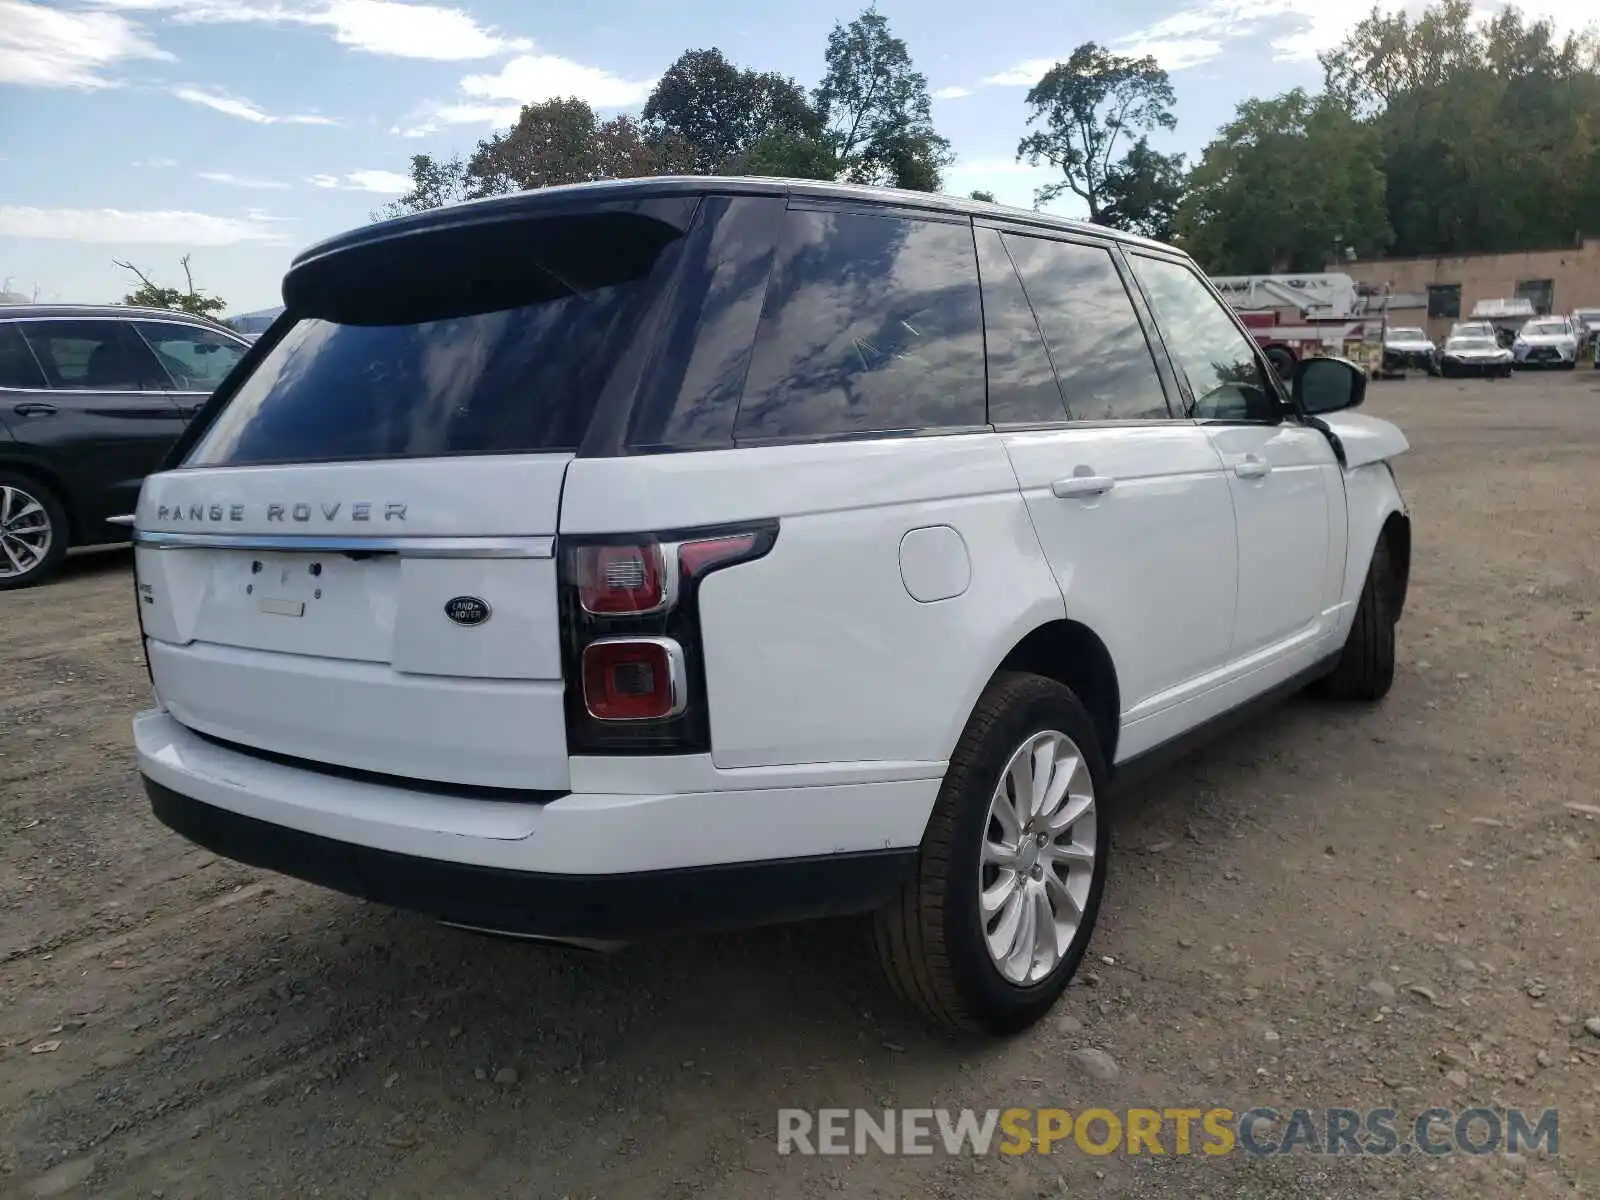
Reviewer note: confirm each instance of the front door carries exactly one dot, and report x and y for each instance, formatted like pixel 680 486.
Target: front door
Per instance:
pixel 1280 471
pixel 197 359
pixel 1129 502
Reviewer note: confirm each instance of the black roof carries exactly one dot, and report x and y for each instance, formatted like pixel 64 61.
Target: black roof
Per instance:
pixel 126 312
pixel 510 207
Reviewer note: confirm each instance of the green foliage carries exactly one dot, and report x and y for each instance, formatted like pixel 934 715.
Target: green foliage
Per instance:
pixel 434 183
pixel 877 110
pixel 1488 131
pixel 191 299
pixel 1287 183
pixel 986 197
pixel 731 119
pixel 1090 108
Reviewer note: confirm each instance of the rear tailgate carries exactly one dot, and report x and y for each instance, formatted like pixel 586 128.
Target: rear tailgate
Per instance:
pixel 308 611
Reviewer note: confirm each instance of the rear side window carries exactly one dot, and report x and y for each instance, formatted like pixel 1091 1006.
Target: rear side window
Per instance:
pixel 17 366
pixel 1022 382
pixel 100 356
pixel 494 340
pixel 1102 358
pixel 872 324
pixel 197 359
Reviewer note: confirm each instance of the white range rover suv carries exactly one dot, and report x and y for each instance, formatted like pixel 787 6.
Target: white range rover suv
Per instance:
pixel 634 558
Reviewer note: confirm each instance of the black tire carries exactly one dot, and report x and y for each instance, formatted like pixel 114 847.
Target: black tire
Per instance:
pixel 1447 371
pixel 27 502
pixel 1365 670
pixel 931 939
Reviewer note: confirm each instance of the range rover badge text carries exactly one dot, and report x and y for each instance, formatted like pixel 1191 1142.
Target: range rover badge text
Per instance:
pixel 467 610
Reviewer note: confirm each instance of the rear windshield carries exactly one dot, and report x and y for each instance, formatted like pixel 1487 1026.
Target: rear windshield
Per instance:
pixel 499 342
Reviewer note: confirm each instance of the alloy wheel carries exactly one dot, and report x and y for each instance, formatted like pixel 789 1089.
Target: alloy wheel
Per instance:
pixel 1038 857
pixel 26 532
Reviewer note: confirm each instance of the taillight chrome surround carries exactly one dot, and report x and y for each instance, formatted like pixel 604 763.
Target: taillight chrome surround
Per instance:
pixel 651 600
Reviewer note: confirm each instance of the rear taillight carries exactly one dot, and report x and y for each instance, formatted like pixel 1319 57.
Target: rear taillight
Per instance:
pixel 631 637
pixel 634 679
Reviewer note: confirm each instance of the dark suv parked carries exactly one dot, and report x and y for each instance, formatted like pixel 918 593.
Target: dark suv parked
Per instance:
pixel 91 397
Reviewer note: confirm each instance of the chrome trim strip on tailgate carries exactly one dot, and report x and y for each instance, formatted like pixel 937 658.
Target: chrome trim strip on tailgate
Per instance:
pixel 406 547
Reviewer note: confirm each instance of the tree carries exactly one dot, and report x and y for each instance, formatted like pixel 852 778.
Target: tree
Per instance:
pixel 1488 129
pixel 1286 182
pixel 1090 107
pixel 563 141
pixel 986 197
pixel 191 300
pixel 1143 191
pixel 730 118
pixel 877 109
pixel 434 183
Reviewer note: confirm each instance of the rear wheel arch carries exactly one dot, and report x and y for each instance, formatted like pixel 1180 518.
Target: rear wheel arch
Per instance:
pixel 1072 654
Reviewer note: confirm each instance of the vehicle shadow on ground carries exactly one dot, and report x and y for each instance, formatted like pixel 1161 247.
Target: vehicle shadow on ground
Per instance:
pixel 91 563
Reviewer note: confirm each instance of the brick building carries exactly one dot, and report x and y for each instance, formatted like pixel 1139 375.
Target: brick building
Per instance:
pixel 1436 292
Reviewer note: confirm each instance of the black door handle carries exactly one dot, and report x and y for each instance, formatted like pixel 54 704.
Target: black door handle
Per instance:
pixel 35 410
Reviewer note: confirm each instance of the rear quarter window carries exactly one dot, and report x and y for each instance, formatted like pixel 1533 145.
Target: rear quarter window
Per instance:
pixel 872 324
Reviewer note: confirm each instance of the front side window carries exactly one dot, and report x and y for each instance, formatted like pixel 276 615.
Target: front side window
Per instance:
pixel 197 359
pixel 17 366
pixel 872 324
pixel 100 356
pixel 1101 356
pixel 1224 372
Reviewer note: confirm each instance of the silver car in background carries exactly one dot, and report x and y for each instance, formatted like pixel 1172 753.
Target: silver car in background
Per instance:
pixel 1546 342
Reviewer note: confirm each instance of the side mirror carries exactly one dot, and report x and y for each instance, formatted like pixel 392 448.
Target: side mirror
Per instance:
pixel 1325 385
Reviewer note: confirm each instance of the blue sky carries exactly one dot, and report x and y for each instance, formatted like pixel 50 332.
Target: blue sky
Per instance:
pixel 241 130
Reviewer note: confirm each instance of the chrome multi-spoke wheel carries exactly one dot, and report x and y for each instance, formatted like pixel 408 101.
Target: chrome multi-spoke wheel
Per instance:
pixel 27 533
pixel 1038 857
pixel 998 913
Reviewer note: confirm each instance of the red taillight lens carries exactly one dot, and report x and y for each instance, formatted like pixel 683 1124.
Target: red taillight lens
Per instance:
pixel 617 580
pixel 633 679
pixel 697 556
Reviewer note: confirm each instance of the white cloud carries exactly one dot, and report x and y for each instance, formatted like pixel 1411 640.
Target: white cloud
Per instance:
pixel 232 180
pixel 533 78
pixel 1024 74
pixel 388 27
pixel 46 47
pixel 157 164
pixel 475 114
pixel 245 110
pixel 1174 54
pixel 115 226
pixel 952 93
pixel 385 183
pixel 1011 182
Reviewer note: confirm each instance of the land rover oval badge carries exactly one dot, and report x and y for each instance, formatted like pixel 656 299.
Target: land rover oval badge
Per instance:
pixel 467 610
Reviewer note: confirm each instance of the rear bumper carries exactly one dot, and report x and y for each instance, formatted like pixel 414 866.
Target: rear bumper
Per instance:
pixel 582 866
pixel 578 907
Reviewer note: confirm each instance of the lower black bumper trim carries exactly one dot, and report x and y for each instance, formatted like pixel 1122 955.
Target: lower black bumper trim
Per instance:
pixel 621 907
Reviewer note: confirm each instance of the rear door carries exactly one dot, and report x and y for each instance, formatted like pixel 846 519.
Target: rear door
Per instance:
pixel 354 565
pixel 1283 475
pixel 1128 500
pixel 197 359
pixel 108 419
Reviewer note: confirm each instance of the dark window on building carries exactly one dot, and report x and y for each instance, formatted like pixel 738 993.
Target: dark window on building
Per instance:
pixel 1540 292
pixel 872 324
pixel 97 356
pixel 1104 363
pixel 1022 383
pixel 17 366
pixel 1444 301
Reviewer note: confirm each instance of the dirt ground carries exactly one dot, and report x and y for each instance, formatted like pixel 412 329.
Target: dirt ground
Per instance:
pixel 1384 907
